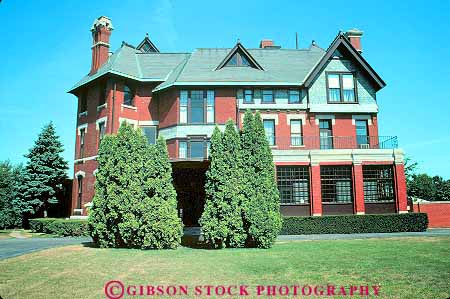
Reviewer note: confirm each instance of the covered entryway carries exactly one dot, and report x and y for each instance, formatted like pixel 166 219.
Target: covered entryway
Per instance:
pixel 189 182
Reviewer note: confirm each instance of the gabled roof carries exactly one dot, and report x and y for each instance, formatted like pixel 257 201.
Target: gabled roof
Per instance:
pixel 147 46
pixel 342 43
pixel 239 48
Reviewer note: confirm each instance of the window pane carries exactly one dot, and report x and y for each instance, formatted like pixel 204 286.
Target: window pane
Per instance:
pixel 182 150
pixel 183 106
pixel 197 106
pixel 349 95
pixel 334 94
pixel 197 149
pixel 336 183
pixel 347 81
pixel 296 132
pixel 101 131
pixel 293 184
pixel 233 61
pixel 150 134
pixel 267 96
pixel 244 61
pixel 294 96
pixel 269 127
pixel 333 81
pixel 281 94
pixel 248 96
pixel 127 96
pixel 210 108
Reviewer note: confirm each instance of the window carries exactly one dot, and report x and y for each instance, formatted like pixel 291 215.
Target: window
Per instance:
pixel 294 96
pixel 267 96
pixel 269 127
pixel 341 88
pixel 128 96
pixel 378 183
pixel 195 148
pixel 101 131
pixel 293 184
pixel 83 102
pixel 82 137
pixel 248 96
pixel 361 132
pixel 336 183
pixel 197 106
pixel 103 94
pixel 238 59
pixel 296 132
pixel 150 133
pixel 80 191
pixel 326 134
pixel 210 99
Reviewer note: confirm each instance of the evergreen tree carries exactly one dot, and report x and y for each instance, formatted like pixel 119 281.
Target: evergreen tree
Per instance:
pixel 11 205
pixel 221 220
pixel 135 202
pixel 45 172
pixel 262 216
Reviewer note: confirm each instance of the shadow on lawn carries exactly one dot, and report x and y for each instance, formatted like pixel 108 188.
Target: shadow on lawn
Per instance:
pixel 186 241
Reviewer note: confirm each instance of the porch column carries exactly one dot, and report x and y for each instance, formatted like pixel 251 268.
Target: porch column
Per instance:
pixel 316 190
pixel 400 183
pixel 359 189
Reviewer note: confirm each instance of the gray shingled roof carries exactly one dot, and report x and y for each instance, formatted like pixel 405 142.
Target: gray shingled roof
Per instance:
pixel 281 66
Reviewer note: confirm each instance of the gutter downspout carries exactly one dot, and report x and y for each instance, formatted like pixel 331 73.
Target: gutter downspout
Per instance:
pixel 112 108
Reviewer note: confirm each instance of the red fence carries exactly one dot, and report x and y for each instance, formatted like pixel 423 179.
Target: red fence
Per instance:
pixel 438 213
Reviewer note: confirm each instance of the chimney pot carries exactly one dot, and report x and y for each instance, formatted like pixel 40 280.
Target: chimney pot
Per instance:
pixel 354 35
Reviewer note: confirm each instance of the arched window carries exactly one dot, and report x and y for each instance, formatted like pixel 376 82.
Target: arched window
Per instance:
pixel 128 96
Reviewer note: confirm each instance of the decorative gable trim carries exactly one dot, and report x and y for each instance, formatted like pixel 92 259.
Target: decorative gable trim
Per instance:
pixel 240 48
pixel 152 47
pixel 342 41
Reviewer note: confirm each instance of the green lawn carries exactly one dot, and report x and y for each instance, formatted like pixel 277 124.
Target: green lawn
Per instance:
pixel 403 267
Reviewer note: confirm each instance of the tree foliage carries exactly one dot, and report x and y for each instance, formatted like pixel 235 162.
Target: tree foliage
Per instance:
pixel 429 188
pixel 135 202
pixel 11 204
pixel 221 221
pixel 45 172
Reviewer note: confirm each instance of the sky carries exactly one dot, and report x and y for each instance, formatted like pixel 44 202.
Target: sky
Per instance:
pixel 45 49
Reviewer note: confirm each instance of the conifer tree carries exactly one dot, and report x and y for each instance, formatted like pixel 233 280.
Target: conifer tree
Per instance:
pixel 262 218
pixel 12 206
pixel 45 172
pixel 135 202
pixel 221 220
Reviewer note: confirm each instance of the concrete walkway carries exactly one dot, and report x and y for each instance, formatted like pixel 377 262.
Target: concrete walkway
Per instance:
pixel 15 247
pixel 429 233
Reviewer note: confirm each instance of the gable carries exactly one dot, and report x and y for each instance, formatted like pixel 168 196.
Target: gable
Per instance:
pixel 147 46
pixel 239 57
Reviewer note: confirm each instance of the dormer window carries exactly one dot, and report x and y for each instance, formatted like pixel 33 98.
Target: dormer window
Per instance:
pixel 341 88
pixel 128 96
pixel 239 56
pixel 238 60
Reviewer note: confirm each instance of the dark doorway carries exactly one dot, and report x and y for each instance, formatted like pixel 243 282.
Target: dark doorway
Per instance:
pixel 189 182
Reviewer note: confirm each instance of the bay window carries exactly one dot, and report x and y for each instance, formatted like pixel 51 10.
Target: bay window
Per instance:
pixel 149 133
pixel 197 106
pixel 193 148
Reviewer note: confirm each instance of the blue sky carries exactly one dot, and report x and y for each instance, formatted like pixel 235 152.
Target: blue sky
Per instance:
pixel 45 49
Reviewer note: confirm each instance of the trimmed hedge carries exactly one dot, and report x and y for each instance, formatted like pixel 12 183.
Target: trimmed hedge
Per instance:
pixel 350 224
pixel 60 227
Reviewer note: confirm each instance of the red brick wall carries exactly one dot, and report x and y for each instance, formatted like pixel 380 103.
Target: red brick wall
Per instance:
pixel 438 213
pixel 168 102
pixel 225 106
pixel 88 168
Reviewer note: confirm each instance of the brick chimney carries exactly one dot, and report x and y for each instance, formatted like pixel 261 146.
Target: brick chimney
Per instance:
pixel 266 43
pixel 101 30
pixel 354 35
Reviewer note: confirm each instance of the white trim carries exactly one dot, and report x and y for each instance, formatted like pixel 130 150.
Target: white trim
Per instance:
pixel 103 106
pixel 362 117
pixel 360 213
pixel 83 126
pixel 85 159
pixel 84 113
pixel 317 214
pixel 80 173
pixel 100 120
pixel 148 123
pixel 301 117
pixel 326 116
pixel 78 216
pixel 402 212
pixel 129 107
pixel 133 122
pixel 268 116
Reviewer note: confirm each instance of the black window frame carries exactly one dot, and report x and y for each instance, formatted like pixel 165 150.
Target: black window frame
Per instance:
pixel 287 176
pixel 79 191
pixel 272 91
pixel 101 131
pixel 240 57
pixel 82 142
pixel 299 96
pixel 382 178
pixel 330 176
pixel 205 107
pixel 83 102
pixel 194 139
pixel 364 137
pixel 330 143
pixel 131 91
pixel 341 87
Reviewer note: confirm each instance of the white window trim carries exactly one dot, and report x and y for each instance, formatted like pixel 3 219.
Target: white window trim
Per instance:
pixel 264 117
pixel 133 122
pixel 80 173
pixel 100 120
pixel 326 116
pixel 301 117
pixel 102 106
pixel 129 107
pixel 148 123
pixel 83 126
pixel 362 117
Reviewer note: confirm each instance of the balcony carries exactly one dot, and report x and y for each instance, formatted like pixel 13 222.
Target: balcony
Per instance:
pixel 332 142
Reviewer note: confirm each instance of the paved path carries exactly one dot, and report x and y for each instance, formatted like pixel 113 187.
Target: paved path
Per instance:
pixel 429 233
pixel 14 247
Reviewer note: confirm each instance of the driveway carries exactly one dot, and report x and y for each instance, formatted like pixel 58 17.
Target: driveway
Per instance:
pixel 14 247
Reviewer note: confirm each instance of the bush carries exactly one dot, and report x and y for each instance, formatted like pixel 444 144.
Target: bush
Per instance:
pixel 350 224
pixel 60 227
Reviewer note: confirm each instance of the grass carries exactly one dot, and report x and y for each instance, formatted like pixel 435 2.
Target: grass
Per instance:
pixel 404 267
pixel 22 233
